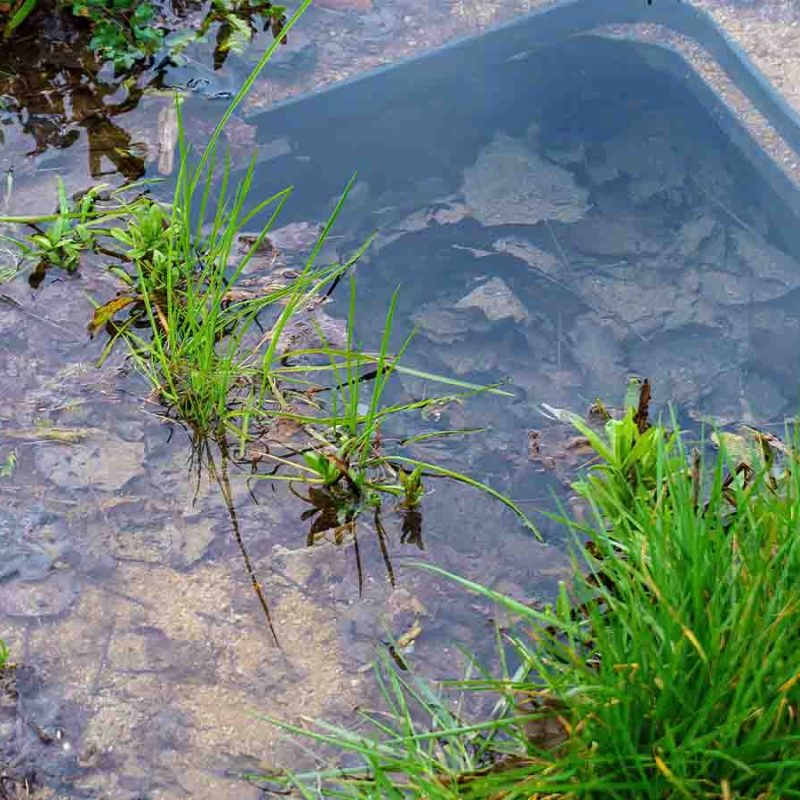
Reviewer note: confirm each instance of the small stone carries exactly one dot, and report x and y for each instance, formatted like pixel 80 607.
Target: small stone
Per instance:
pixel 46 598
pixel 774 272
pixel 510 185
pixel 275 148
pixel 529 253
pixel 655 164
pixel 448 325
pixel 296 236
pixel 496 301
pixel 594 347
pixel 694 233
pixel 450 214
pixel 106 463
pixel 575 154
pixel 313 328
pixel 619 237
pixel 693 367
pixel 764 399
pixel 190 541
pixel 602 173
pixel 470 357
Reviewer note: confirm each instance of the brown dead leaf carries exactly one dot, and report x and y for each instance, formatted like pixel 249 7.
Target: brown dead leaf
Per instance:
pixel 643 410
pixel 534 444
pixel 410 636
pixel 549 729
pixel 105 313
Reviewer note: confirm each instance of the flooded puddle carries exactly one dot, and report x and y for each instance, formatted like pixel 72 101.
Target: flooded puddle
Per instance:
pixel 552 236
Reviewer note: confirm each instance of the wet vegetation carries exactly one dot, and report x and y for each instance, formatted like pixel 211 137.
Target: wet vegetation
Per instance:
pixel 68 69
pixel 666 668
pixel 220 351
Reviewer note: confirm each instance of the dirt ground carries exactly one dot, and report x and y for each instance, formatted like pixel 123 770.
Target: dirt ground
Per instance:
pixel 769 32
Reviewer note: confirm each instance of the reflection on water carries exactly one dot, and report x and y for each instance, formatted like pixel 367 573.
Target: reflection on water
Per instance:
pixel 567 236
pixel 52 88
pixel 54 91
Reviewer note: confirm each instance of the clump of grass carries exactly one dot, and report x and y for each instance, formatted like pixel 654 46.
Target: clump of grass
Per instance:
pixel 8 465
pixel 668 669
pixel 351 458
pixel 175 261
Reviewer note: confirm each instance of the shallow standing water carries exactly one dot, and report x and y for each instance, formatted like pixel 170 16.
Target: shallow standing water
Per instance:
pixel 554 235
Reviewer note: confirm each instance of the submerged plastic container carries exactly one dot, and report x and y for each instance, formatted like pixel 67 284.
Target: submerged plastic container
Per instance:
pixel 400 125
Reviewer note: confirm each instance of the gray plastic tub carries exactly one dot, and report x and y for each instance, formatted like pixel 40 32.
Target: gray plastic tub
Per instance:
pixel 401 124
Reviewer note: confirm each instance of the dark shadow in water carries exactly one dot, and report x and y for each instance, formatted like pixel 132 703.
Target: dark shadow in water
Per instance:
pixel 203 456
pixel 52 85
pixel 331 519
pixel 332 514
pixel 336 509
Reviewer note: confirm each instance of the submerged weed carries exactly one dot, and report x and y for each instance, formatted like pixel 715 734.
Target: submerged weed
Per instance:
pixel 86 223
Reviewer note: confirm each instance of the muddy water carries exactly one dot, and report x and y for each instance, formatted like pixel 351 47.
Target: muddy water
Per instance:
pixel 143 653
pixel 603 226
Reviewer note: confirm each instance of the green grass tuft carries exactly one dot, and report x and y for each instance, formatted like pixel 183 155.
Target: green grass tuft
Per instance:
pixel 669 668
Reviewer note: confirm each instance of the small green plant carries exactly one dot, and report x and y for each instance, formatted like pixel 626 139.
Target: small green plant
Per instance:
pixel 79 225
pixel 60 244
pixel 354 463
pixel 129 33
pixel 627 450
pixel 17 13
pixel 413 490
pixel 238 21
pixel 147 234
pixel 123 31
pixel 9 465
pixel 324 466
pixel 5 655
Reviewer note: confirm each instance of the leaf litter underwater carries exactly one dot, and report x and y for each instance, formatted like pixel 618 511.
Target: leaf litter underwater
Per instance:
pixel 144 652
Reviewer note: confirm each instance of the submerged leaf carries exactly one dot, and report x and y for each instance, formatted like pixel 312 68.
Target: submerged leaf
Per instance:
pixel 105 313
pixel 643 407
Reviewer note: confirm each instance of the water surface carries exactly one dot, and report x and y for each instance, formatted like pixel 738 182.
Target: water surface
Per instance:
pixel 553 235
